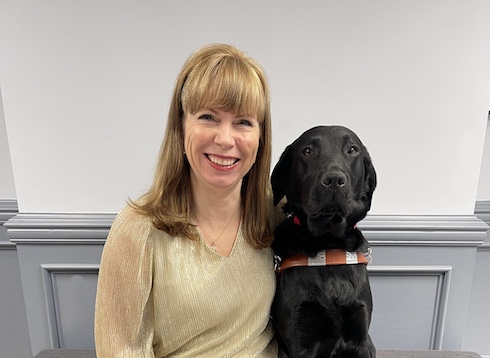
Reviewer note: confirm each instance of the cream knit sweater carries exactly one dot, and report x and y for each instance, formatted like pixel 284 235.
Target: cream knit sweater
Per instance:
pixel 163 296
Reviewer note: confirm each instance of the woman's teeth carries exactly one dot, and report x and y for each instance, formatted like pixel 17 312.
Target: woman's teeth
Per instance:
pixel 221 161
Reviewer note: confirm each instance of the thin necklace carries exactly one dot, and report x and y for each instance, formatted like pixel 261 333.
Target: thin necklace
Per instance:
pixel 207 237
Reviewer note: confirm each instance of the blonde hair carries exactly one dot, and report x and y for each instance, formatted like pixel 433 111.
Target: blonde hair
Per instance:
pixel 222 77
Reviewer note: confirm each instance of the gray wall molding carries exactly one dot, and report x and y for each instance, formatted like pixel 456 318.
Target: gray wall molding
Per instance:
pixel 482 211
pixel 428 230
pixel 65 228
pixel 380 230
pixel 8 209
pixel 482 206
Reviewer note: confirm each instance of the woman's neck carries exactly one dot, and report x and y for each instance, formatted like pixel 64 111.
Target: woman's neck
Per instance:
pixel 216 205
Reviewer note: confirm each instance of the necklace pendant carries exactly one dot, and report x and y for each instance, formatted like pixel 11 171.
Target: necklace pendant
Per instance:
pixel 213 246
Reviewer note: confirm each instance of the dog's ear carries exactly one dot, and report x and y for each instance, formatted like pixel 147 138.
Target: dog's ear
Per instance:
pixel 280 174
pixel 370 179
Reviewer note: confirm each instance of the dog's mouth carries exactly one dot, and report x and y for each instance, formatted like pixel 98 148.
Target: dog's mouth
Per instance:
pixel 330 218
pixel 324 223
pixel 331 210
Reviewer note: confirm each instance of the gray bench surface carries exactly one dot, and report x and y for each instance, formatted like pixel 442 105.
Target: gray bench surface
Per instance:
pixel 426 354
pixel 66 353
pixel 77 353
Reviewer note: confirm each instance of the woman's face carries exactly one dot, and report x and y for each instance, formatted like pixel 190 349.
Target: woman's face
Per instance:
pixel 220 147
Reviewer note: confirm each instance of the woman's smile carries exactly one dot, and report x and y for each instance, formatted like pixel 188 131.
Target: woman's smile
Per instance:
pixel 222 162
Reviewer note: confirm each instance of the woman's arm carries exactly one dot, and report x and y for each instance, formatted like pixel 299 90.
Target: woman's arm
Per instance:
pixel 123 312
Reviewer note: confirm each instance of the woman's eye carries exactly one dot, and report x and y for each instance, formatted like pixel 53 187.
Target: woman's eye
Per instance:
pixel 207 117
pixel 307 151
pixel 245 122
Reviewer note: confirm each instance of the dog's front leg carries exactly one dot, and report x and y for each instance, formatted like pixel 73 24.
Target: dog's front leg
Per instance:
pixel 303 352
pixel 308 330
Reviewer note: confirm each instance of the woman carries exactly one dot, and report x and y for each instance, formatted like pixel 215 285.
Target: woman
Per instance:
pixel 186 270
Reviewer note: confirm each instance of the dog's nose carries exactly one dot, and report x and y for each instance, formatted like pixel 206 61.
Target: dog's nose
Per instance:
pixel 334 180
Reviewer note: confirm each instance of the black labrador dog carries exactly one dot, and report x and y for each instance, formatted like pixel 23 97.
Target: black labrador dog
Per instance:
pixel 323 310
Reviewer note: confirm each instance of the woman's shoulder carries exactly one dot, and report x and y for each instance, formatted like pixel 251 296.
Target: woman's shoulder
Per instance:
pixel 131 224
pixel 129 216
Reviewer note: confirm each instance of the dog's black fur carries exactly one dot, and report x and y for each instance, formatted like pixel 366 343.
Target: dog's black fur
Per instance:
pixel 328 180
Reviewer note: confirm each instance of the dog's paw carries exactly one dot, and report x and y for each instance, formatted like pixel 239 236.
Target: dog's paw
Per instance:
pixel 349 349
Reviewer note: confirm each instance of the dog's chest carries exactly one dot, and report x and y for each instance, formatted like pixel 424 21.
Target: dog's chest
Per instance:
pixel 325 285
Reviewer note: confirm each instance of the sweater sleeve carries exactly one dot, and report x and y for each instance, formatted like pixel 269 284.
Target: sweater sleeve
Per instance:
pixel 124 324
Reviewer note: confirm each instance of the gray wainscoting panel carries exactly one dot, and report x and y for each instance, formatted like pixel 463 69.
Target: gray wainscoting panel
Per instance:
pixel 70 294
pixel 477 334
pixel 428 242
pixel 14 335
pixel 421 277
pixel 410 306
pixel 58 257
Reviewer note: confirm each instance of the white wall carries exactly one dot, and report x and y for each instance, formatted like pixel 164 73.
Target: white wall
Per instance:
pixel 86 86
pixel 484 182
pixel 7 186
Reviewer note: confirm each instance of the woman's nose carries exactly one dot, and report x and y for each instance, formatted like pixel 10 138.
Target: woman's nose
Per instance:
pixel 225 136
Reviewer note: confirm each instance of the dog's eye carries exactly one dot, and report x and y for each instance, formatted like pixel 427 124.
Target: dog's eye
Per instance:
pixel 353 150
pixel 307 151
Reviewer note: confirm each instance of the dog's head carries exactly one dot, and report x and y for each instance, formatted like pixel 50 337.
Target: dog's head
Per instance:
pixel 327 177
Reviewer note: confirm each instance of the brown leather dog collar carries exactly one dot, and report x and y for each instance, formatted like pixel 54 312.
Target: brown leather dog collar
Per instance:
pixel 324 258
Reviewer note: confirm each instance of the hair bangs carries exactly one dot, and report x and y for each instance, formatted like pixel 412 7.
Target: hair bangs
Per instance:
pixel 227 84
